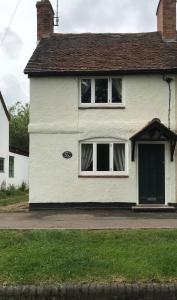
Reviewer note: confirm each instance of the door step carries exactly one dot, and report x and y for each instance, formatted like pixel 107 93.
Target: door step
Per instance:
pixel 153 208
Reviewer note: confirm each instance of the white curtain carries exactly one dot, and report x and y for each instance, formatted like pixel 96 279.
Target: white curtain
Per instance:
pixel 86 90
pixel 87 156
pixel 119 157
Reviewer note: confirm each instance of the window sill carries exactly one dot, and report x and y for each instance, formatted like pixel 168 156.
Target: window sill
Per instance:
pixel 103 176
pixel 102 107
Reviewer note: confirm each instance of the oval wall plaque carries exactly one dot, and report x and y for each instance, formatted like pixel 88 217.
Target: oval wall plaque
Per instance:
pixel 67 154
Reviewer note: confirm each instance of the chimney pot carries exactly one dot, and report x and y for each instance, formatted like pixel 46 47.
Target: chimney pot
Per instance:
pixel 166 19
pixel 45 19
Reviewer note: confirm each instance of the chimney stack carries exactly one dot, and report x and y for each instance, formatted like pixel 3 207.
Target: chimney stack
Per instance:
pixel 166 19
pixel 45 19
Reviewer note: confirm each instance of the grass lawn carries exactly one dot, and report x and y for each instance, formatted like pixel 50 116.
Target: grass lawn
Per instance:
pixel 34 257
pixel 13 197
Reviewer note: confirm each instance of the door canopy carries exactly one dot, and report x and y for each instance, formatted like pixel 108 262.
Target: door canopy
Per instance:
pixel 155 131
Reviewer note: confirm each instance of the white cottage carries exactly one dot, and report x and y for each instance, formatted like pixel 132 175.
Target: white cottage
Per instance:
pixel 13 165
pixel 103 116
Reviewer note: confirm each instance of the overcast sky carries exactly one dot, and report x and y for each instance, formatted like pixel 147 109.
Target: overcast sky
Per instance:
pixel 75 16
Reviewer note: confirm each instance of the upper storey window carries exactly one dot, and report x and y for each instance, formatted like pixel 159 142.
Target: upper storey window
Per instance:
pixel 86 91
pixel 101 91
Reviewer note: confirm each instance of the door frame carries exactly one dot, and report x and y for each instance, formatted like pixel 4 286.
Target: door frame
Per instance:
pixel 166 167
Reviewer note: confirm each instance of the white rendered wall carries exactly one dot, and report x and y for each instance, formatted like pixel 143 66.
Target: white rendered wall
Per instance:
pixel 58 125
pixel 4 145
pixel 21 170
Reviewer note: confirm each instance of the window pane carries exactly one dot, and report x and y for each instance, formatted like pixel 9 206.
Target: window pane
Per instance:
pixel 102 157
pixel 87 157
pixel 11 166
pixel 119 157
pixel 1 164
pixel 101 90
pixel 116 90
pixel 86 91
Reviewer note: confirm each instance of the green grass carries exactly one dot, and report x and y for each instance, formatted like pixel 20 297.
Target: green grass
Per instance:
pixel 34 257
pixel 12 197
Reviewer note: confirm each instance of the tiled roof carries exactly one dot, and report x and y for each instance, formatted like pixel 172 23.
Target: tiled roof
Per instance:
pixel 101 53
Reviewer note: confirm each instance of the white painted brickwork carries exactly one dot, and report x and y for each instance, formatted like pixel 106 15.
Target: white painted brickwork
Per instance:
pixel 57 125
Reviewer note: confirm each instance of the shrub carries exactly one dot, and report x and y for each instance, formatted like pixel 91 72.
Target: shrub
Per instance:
pixel 12 189
pixel 3 186
pixel 23 187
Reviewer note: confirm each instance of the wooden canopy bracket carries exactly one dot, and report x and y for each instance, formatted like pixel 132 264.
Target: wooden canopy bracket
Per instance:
pixel 172 149
pixel 133 150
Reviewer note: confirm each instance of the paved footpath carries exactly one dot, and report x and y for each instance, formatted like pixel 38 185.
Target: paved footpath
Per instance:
pixel 85 219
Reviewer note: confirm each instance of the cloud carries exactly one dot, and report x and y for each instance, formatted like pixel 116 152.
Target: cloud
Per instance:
pixel 75 16
pixel 12 44
pixel 13 89
pixel 108 16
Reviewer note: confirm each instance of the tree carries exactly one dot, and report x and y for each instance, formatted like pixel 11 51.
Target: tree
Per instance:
pixel 18 130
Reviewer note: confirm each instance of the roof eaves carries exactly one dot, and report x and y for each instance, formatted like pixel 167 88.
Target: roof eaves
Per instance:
pixel 34 73
pixel 154 123
pixel 4 106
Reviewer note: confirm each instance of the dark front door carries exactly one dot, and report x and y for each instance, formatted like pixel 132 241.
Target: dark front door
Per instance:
pixel 151 174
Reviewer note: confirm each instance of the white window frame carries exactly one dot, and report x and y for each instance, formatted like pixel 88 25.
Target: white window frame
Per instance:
pixel 104 173
pixel 109 103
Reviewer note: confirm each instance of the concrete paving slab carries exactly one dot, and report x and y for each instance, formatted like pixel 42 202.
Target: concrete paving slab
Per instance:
pixel 87 219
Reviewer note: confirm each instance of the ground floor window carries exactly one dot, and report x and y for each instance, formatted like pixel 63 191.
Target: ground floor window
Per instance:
pixel 2 164
pixel 103 158
pixel 11 166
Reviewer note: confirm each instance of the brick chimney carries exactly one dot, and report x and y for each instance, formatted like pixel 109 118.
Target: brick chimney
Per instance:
pixel 166 19
pixel 45 19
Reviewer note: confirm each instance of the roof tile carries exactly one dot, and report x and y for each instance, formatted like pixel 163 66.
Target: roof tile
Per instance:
pixel 106 52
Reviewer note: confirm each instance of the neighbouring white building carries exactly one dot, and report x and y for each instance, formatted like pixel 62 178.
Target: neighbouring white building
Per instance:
pixel 13 166
pixel 103 116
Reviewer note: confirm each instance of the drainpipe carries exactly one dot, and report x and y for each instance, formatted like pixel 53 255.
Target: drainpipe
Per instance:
pixel 168 81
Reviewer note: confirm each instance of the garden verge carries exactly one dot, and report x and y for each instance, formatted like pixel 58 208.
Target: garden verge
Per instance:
pixel 13 200
pixel 105 257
